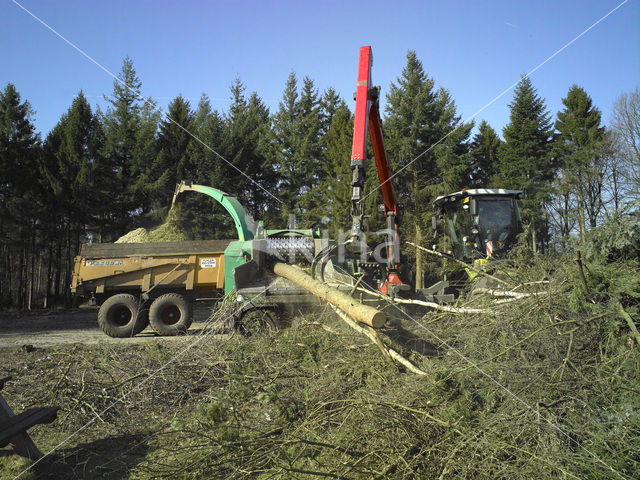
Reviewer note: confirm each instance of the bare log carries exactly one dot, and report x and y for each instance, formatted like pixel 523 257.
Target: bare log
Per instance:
pixel 435 306
pixel 376 340
pixel 362 313
pixel 507 293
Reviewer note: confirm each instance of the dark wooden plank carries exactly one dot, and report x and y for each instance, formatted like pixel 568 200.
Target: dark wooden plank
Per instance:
pixel 112 250
pixel 22 422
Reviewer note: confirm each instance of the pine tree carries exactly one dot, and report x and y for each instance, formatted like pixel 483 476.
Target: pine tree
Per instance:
pixel 578 149
pixel 21 202
pixel 247 129
pixel 285 142
pixel 72 165
pixel 18 153
pixel 130 126
pixel 297 128
pixel 310 130
pixel 330 103
pixel 78 159
pixel 203 166
pixel 525 160
pixel 55 221
pixel 453 153
pixel 427 144
pixel 170 165
pixel 336 186
pixel 484 155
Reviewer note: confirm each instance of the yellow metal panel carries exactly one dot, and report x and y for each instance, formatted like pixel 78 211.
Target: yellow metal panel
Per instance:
pixel 208 269
pixel 192 272
pixel 203 271
pixel 220 279
pixel 146 281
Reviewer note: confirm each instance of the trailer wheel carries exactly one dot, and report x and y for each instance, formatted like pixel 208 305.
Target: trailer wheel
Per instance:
pixel 257 321
pixel 122 316
pixel 170 314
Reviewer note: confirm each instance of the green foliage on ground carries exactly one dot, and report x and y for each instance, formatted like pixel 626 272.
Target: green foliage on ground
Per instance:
pixel 13 465
pixel 541 386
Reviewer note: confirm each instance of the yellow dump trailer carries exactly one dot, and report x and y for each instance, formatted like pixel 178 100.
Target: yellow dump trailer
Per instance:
pixel 149 283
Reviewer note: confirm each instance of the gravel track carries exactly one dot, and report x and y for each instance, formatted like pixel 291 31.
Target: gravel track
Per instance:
pixel 46 328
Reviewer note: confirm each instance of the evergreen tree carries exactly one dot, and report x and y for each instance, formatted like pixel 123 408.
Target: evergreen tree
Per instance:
pixel 297 127
pixel 336 186
pixel 247 128
pixel 578 149
pixel 203 165
pixel 484 155
pixel 55 221
pixel 170 165
pixel 287 161
pixel 18 155
pixel 78 158
pixel 310 130
pixel 205 217
pixel 330 103
pixel 428 147
pixel 130 126
pixel 525 160
pixel 21 202
pixel 73 167
pixel 453 153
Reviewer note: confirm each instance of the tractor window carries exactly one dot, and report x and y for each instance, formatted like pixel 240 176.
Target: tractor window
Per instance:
pixel 458 227
pixel 496 219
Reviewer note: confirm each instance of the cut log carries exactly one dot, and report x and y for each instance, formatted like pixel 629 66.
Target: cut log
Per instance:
pixel 390 352
pixel 362 313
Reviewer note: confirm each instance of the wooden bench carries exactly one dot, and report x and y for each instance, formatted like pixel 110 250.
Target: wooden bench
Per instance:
pixel 13 428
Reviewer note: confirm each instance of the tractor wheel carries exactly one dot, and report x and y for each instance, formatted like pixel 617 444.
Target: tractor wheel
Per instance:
pixel 122 316
pixel 170 314
pixel 257 321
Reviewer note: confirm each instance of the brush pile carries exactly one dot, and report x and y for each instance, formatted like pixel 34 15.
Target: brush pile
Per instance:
pixel 547 385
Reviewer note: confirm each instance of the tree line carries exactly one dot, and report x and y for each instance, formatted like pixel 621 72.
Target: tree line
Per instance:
pixel 97 175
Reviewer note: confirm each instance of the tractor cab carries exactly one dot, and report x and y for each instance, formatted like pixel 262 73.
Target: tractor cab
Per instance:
pixel 478 223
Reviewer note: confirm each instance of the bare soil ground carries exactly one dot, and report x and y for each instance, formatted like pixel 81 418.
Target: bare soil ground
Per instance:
pixel 47 328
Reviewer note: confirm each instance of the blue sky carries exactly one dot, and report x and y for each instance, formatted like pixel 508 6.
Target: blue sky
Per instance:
pixel 475 49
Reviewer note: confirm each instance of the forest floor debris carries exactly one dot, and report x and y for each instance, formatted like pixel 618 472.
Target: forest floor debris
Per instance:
pixel 547 387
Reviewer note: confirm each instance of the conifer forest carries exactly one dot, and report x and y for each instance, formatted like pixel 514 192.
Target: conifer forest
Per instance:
pixel 99 174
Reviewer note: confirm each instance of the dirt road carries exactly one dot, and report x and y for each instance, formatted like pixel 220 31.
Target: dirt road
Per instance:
pixel 76 326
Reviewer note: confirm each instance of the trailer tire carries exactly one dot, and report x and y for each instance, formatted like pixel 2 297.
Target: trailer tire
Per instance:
pixel 170 314
pixel 122 316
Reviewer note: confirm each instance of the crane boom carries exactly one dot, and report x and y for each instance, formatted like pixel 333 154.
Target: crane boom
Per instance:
pixel 367 119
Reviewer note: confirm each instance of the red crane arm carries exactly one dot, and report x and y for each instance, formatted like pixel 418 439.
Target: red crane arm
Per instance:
pixel 382 165
pixel 367 117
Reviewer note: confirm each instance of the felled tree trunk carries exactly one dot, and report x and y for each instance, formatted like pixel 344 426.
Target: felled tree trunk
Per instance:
pixel 362 313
